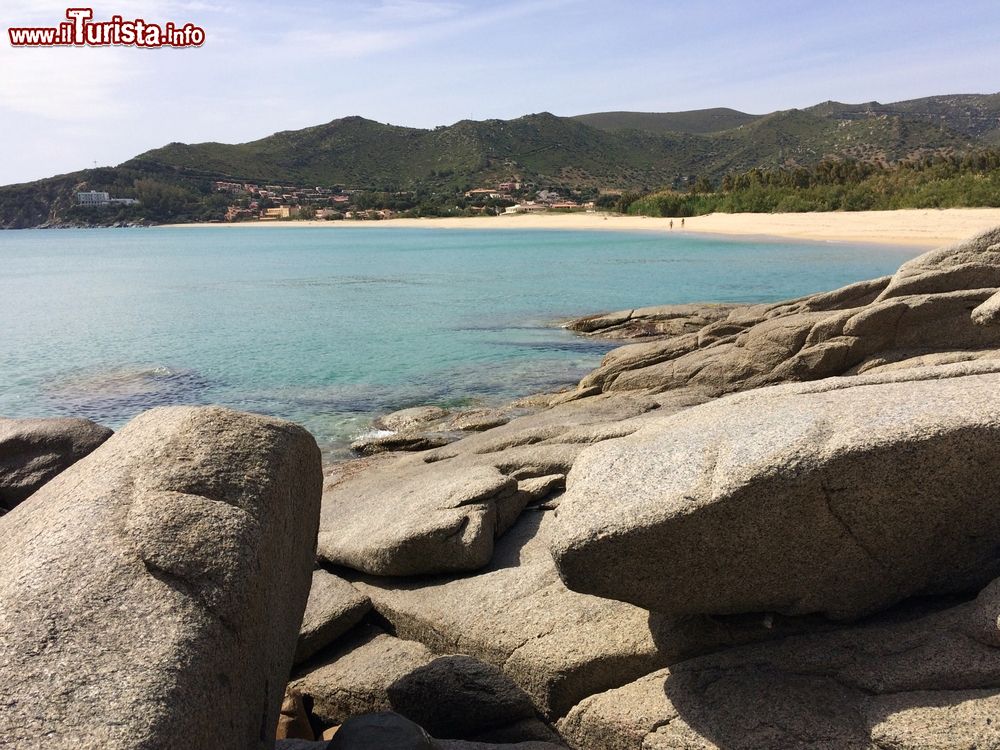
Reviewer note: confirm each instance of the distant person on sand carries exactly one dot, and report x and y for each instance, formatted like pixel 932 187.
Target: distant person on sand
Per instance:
pixel 682 223
pixel 671 223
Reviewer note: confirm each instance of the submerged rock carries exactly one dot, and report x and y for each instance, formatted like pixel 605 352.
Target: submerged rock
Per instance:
pixel 33 451
pixel 150 595
pixel 841 497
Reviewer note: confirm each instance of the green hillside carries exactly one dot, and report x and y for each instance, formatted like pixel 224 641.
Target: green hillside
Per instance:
pixel 602 152
pixel 697 121
pixel 356 152
pixel 972 115
pixel 541 148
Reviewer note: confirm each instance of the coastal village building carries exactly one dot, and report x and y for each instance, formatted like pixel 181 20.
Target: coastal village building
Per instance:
pixel 96 198
pixel 93 198
pixel 526 208
pixel 279 212
pixel 235 213
pixel 482 193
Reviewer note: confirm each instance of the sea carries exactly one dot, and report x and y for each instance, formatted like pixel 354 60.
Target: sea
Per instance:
pixel 330 327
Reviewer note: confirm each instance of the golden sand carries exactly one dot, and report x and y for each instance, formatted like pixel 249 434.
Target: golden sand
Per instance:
pixel 917 227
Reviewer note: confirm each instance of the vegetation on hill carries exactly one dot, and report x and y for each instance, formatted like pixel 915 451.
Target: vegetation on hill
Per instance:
pixel 698 121
pixel 938 181
pixel 607 153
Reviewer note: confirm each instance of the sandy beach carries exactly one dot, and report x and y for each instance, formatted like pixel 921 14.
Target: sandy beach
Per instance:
pixel 916 227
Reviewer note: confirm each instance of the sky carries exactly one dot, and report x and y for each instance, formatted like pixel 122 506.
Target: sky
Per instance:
pixel 270 66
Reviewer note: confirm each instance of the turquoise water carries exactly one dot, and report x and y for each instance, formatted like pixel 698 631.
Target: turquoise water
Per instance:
pixel 329 327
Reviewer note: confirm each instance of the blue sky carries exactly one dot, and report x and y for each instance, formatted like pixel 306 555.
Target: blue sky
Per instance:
pixel 286 65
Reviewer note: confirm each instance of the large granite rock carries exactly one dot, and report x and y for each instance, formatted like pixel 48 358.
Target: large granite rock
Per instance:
pixel 970 264
pixel 555 644
pixel 910 682
pixel 369 445
pixel 151 594
pixel 807 346
pixel 944 300
pixel 32 451
pixel 334 607
pixel 643 322
pixel 479 420
pixel 384 730
pixel 441 511
pixel 390 731
pixel 416 417
pixel 840 497
pixel 448 695
pixel 411 518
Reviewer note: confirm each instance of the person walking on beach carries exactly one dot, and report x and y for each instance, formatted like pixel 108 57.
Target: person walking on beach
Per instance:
pixel 682 223
pixel 671 223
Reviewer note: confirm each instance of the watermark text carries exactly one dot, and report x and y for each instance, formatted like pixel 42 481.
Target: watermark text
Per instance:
pixel 80 30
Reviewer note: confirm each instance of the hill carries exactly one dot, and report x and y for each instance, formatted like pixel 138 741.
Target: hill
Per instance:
pixel 972 115
pixel 698 121
pixel 588 154
pixel 362 153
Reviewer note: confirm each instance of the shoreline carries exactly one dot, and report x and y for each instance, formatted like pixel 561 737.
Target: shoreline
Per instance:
pixel 925 228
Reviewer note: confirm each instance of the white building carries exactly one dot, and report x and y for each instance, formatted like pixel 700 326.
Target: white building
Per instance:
pixel 93 198
pixel 100 198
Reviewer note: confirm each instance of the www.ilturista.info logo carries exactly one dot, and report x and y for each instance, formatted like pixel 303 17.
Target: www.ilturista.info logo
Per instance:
pixel 81 31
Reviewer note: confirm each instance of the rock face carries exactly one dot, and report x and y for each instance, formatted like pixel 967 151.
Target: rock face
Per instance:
pixel 413 418
pixel 841 497
pixel 419 520
pixel 448 695
pixel 150 595
pixel 334 607
pixel 390 731
pixel 644 322
pixel 913 683
pixel 725 528
pixel 441 511
pixel 32 451
pixel 555 644
pixel 938 302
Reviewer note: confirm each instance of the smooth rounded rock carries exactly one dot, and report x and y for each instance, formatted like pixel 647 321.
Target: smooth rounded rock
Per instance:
pixel 33 451
pixel 840 497
pixel 150 595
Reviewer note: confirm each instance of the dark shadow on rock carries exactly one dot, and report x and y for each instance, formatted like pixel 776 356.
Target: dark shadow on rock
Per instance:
pixel 874 683
pixel 691 636
pixel 456 697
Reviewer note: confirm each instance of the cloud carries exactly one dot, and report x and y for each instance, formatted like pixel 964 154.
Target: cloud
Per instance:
pixel 398 24
pixel 67 83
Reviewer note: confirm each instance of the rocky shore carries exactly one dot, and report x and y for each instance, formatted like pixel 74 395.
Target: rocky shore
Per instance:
pixel 755 526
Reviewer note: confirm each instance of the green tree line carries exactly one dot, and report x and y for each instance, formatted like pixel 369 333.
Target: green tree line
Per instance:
pixel 969 179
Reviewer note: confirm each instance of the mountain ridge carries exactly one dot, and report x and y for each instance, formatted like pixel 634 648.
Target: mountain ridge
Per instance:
pixel 596 152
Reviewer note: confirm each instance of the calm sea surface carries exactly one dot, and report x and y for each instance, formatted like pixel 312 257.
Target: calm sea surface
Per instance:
pixel 329 327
